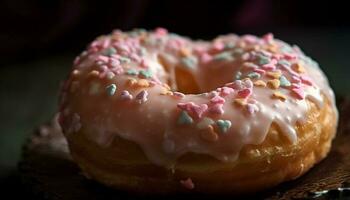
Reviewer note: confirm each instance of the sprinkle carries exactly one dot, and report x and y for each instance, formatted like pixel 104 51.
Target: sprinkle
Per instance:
pixel 238 76
pixel 145 73
pixel 161 31
pixel 76 73
pixel 240 102
pixel 269 67
pixel 179 95
pixel 298 67
pixel 189 62
pixel 229 45
pixel 244 93
pixel 245 56
pixel 224 125
pixel 131 81
pixel 224 56
pixel 279 95
pixel 111 89
pixel 109 51
pixel 250 65
pixel 218 46
pixel 184 118
pixel 226 91
pixel 284 82
pixel 141 97
pixel 188 184
pixel 268 38
pixel 260 83
pixel 263 60
pixel 185 52
pixel 110 75
pixel 209 134
pixel 253 75
pixel 143 83
pixel 205 58
pixel 124 59
pixel 132 72
pixel 166 92
pixel 299 93
pixel 199 110
pixel 204 123
pixel 251 108
pixel 296 79
pixel 94 74
pixel 125 95
pixel 306 80
pixel 217 100
pixel 275 74
pixel 273 84
pixel 284 63
pixel 216 109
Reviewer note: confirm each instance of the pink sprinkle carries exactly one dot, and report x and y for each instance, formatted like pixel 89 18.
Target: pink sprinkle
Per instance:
pixel 105 43
pixel 244 93
pixel 268 38
pixel 185 106
pixel 289 56
pixel 269 67
pixel 217 100
pixel 299 93
pixel 237 84
pixel 161 31
pixel 296 85
pixel 295 79
pixel 216 109
pixel 245 56
pixel 179 95
pixel 306 80
pixel 188 184
pixel 277 56
pixel 218 46
pixel 251 108
pixel 125 95
pixel 142 96
pixel 226 91
pixel 260 71
pixel 144 63
pixel 198 111
pixel 205 58
pixel 102 58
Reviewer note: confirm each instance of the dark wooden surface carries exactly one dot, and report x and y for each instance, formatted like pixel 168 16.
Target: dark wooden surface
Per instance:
pixel 48 172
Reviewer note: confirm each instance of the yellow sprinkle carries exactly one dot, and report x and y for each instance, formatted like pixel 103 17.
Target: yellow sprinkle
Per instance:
pixel 132 81
pixel 75 73
pixel 94 74
pixel 279 95
pixel 185 52
pixel 166 86
pixel 275 74
pixel 272 48
pixel 273 84
pixel 143 83
pixel 209 134
pixel 240 102
pixel 260 83
pixel 166 92
pixel 298 67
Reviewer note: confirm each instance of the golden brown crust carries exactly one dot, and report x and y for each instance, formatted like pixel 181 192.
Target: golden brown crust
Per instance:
pixel 123 164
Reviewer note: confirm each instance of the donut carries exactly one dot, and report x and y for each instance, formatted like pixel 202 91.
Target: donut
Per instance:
pixel 158 113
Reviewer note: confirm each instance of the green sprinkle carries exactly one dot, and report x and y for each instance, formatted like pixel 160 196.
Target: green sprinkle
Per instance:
pixel 284 63
pixel 253 75
pixel 284 82
pixel 142 51
pixel 286 49
pixel 238 52
pixel 189 62
pixel 184 118
pixel 132 72
pixel 145 73
pixel 111 89
pixel 238 76
pixel 230 45
pixel 223 56
pixel 124 60
pixel 109 51
pixel 224 125
pixel 262 60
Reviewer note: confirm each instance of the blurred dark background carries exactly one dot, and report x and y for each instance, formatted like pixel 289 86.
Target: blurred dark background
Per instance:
pixel 39 39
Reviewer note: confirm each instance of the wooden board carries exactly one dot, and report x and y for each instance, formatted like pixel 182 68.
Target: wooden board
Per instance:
pixel 48 172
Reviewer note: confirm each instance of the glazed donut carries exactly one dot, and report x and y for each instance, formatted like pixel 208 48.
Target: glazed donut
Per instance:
pixel 155 112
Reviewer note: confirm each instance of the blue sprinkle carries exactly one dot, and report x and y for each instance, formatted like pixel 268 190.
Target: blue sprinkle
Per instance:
pixel 184 118
pixel 132 72
pixel 230 45
pixel 124 60
pixel 284 82
pixel 111 89
pixel 223 125
pixel 284 63
pixel 262 60
pixel 253 75
pixel 223 56
pixel 145 73
pixel 109 51
pixel 238 76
